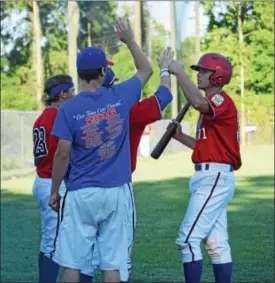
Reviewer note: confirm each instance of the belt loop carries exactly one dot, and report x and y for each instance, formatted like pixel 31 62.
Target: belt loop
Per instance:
pixel 206 166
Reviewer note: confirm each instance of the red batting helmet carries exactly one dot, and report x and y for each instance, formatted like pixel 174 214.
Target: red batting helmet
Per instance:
pixel 220 65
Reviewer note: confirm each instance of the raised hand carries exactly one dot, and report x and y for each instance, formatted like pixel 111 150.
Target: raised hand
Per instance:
pixel 124 31
pixel 175 67
pixel 166 58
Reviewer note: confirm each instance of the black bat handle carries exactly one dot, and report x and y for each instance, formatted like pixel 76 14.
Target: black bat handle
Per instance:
pixel 165 139
pixel 182 112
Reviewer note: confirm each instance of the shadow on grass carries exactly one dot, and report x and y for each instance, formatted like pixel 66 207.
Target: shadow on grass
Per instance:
pixel 160 208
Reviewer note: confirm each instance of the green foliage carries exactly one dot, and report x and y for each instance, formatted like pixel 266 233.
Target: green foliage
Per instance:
pixel 56 62
pixel 158 40
pixel 187 55
pixel 17 77
pixel 53 17
pixel 257 20
pixel 101 15
pixel 125 68
pixel 257 26
pixel 124 65
pixel 17 91
pixel 261 42
pixel 15 41
pixel 17 74
pixel 222 40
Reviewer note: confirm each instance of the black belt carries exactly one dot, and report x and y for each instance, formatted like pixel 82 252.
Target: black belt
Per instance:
pixel 200 167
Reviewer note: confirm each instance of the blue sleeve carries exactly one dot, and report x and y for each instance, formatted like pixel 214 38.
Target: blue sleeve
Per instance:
pixel 129 91
pixel 61 127
pixel 163 96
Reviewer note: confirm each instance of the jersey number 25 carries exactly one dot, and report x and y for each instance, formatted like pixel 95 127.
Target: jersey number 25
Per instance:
pixel 40 146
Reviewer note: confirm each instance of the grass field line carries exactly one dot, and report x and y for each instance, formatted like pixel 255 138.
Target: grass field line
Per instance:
pixel 161 193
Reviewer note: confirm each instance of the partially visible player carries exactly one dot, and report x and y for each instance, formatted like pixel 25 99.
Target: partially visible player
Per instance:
pixel 144 146
pixel 58 89
pixel 94 136
pixel 216 154
pixel 144 112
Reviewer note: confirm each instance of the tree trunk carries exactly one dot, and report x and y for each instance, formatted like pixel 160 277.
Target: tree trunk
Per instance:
pixel 198 37
pixel 73 23
pixel 150 38
pixel 89 31
pixel 241 37
pixel 138 22
pixel 174 85
pixel 37 53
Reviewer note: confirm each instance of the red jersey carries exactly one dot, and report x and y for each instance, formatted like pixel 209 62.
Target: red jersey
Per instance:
pixel 217 136
pixel 44 144
pixel 142 113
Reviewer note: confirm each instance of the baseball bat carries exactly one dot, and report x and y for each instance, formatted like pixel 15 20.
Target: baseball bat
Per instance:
pixel 165 139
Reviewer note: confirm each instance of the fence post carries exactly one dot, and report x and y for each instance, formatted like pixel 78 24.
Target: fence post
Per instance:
pixel 22 143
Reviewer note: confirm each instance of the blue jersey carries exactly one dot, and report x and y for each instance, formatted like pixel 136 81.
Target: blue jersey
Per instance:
pixel 97 124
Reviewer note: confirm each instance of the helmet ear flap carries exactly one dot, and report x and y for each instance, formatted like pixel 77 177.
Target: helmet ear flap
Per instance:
pixel 213 79
pixel 217 79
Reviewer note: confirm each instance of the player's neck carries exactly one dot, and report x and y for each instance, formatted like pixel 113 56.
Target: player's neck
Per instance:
pixel 212 90
pixel 91 86
pixel 55 104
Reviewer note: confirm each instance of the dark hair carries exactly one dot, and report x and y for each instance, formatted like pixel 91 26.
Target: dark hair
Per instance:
pixel 52 82
pixel 90 75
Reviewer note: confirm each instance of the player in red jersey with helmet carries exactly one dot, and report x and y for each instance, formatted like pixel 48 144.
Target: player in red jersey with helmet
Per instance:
pixel 58 89
pixel 216 154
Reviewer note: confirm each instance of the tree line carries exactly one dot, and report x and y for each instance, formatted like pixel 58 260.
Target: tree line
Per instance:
pixel 47 35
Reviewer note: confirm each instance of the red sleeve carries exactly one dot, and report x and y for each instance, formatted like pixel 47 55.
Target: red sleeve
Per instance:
pixel 145 112
pixel 52 140
pixel 219 104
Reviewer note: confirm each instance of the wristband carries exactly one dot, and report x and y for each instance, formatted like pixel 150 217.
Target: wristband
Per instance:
pixel 164 69
pixel 164 73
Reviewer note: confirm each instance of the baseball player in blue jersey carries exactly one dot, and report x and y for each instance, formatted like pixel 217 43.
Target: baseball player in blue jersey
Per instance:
pixel 93 134
pixel 146 111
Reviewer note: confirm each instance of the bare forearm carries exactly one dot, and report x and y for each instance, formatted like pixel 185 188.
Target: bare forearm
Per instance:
pixel 166 81
pixel 190 90
pixel 141 61
pixel 60 166
pixel 186 140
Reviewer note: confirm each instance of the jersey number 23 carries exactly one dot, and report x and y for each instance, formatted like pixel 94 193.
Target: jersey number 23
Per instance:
pixel 40 146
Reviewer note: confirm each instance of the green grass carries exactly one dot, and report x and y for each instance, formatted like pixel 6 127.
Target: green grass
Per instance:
pixel 161 192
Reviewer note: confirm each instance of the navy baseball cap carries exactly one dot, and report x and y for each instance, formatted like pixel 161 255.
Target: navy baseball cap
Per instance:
pixel 91 58
pixel 110 78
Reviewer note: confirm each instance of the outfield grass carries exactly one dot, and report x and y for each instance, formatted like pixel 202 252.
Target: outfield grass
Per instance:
pixel 161 192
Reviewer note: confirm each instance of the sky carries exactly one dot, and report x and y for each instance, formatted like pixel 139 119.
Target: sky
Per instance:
pixel 185 12
pixel 160 10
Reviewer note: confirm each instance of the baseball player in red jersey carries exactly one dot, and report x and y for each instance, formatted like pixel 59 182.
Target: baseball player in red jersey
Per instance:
pixel 216 154
pixel 144 112
pixel 58 89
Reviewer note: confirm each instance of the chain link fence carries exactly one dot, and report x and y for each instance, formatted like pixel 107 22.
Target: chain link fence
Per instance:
pixel 17 145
